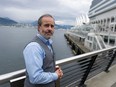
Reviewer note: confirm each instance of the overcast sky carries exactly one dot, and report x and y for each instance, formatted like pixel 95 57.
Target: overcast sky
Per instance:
pixel 64 11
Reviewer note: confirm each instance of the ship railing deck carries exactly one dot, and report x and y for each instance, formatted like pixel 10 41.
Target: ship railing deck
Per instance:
pixel 77 69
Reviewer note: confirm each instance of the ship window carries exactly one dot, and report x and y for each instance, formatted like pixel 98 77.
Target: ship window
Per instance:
pixel 90 45
pixel 112 41
pixel 105 39
pixel 111 28
pixel 112 19
pixel 104 20
pixel 88 38
pixel 115 28
pixel 102 36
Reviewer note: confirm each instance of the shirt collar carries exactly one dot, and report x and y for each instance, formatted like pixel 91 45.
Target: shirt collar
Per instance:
pixel 49 41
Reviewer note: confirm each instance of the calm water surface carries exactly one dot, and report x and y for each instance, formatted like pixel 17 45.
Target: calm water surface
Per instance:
pixel 13 41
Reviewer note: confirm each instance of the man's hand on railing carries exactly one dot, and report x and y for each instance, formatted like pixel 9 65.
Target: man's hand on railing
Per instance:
pixel 59 72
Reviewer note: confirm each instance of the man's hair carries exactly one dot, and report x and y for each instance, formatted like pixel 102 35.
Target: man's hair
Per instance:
pixel 40 19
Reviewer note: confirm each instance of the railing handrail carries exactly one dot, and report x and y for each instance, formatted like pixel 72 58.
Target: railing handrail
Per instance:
pixel 7 77
pixel 70 59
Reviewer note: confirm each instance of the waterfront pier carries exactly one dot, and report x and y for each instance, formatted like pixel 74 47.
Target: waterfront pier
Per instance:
pixel 77 44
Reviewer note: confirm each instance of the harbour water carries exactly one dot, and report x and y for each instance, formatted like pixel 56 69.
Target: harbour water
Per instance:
pixel 13 41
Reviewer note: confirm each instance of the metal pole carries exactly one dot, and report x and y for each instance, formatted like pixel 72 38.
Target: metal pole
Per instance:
pixel 58 83
pixel 93 58
pixel 110 62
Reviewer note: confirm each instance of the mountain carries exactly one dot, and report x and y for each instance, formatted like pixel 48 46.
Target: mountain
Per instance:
pixel 34 23
pixel 57 26
pixel 7 21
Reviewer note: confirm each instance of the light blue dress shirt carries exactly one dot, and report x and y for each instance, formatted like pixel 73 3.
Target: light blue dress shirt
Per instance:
pixel 33 56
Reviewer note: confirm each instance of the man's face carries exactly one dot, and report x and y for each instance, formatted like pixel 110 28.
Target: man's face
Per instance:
pixel 47 27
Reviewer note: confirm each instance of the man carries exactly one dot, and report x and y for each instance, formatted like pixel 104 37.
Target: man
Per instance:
pixel 39 56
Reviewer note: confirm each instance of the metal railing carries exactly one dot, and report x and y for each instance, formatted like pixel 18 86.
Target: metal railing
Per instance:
pixel 76 69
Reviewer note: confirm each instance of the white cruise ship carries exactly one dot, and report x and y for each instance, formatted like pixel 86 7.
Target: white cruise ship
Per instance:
pixel 103 14
pixel 100 31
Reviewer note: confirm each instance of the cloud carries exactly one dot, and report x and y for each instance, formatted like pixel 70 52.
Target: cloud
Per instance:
pixel 64 11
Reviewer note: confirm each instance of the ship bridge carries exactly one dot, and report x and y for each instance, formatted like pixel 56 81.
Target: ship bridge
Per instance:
pixel 92 69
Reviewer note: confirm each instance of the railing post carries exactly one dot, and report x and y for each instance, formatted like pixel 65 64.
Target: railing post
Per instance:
pixel 57 83
pixel 81 84
pixel 110 62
